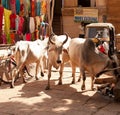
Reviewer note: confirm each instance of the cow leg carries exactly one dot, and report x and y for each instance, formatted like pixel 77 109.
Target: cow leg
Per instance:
pixel 73 74
pixel 42 67
pixel 92 82
pixel 84 78
pixel 13 78
pixel 36 71
pixel 23 76
pixel 49 76
pixel 61 74
pixel 79 78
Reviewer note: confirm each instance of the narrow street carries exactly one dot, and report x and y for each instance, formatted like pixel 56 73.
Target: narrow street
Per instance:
pixel 32 98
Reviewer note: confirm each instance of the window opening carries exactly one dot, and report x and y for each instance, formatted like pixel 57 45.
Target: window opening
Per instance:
pixel 84 3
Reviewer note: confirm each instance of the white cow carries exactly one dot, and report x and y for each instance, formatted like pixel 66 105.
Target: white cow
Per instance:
pixel 27 52
pixel 57 54
pixel 83 54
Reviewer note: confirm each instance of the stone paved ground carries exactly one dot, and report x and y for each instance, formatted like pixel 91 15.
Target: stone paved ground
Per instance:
pixel 32 98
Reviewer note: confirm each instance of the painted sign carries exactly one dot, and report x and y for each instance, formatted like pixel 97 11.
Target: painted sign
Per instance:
pixel 86 15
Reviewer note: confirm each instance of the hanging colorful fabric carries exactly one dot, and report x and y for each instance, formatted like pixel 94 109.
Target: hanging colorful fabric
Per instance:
pixel 12 36
pixel 12 21
pixel 21 10
pixel 44 6
pixel 3 36
pixel 33 8
pixel 17 23
pixel 28 37
pixel 20 27
pixel 1 17
pixel 8 38
pixel 38 7
pixel 27 7
pixel 13 6
pixel 37 21
pixel 25 26
pixel 32 25
pixel 6 4
pixel 17 6
pixel 7 14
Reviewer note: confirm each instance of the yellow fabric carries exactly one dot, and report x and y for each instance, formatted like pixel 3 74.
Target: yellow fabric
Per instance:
pixel 44 6
pixel 7 14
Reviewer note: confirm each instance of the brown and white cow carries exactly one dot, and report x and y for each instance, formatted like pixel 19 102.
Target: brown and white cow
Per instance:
pixel 57 54
pixel 27 52
pixel 83 54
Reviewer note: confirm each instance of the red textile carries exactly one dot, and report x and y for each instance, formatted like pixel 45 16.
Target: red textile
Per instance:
pixel 12 36
pixel 12 21
pixel 1 16
pixel 102 49
pixel 13 6
pixel 33 8
pixel 28 37
pixel 20 27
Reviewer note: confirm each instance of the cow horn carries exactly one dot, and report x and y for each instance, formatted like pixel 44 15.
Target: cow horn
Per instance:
pixel 66 38
pixel 50 38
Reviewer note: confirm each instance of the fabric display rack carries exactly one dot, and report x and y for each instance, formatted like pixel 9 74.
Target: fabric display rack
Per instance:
pixel 22 20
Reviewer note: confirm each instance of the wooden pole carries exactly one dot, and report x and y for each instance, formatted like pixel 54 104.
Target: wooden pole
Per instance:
pixel 50 14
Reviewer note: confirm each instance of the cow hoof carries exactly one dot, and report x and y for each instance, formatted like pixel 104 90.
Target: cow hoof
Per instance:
pixel 12 86
pixel 83 87
pixel 59 83
pixel 79 80
pixel 47 88
pixel 24 81
pixel 42 74
pixel 37 78
pixel 73 82
pixel 93 89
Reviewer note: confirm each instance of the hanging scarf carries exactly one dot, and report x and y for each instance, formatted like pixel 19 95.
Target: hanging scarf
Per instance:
pixel 17 6
pixel 33 8
pixel 44 7
pixel 27 7
pixel 32 25
pixel 13 6
pixel 38 8
pixel 6 4
pixel 12 21
pixel 1 17
pixel 20 25
pixel 7 14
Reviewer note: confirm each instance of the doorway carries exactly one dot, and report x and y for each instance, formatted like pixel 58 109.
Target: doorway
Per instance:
pixel 57 21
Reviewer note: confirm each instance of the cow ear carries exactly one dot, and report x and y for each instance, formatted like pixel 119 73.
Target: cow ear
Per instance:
pixel 65 51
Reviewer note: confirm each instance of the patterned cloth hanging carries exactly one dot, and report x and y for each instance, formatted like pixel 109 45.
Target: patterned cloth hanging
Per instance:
pixel 13 6
pixel 7 14
pixel 1 17
pixel 12 21
pixel 27 7
pixel 38 8
pixel 17 6
pixel 33 8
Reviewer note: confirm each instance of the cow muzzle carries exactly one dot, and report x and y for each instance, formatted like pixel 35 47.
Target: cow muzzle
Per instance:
pixel 59 61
